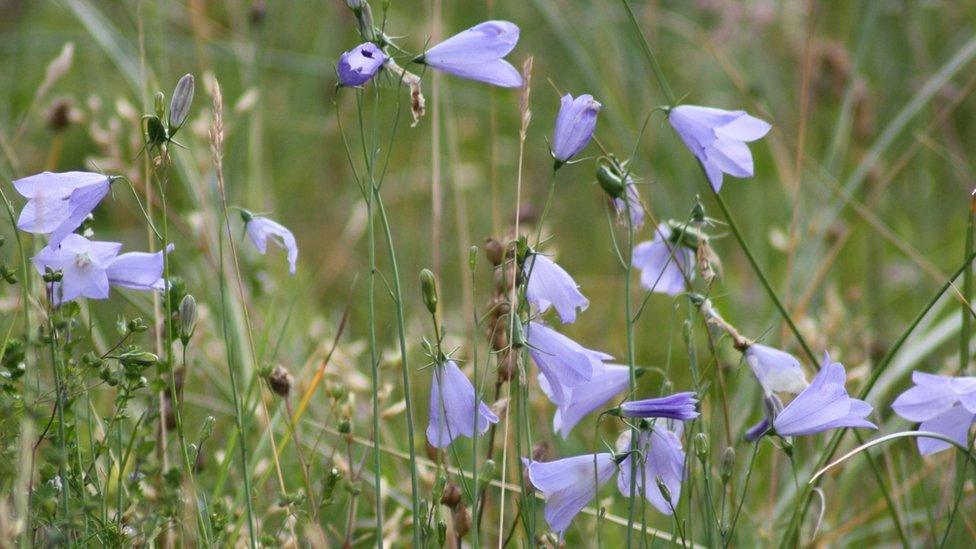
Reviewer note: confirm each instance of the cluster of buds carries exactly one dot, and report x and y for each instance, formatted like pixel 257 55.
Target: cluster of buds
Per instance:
pixel 157 133
pixel 505 271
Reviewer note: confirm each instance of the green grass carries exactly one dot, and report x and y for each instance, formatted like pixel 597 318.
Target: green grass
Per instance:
pixel 857 215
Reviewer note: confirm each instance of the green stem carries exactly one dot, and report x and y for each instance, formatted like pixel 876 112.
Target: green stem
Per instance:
pixel 634 434
pixel 762 276
pixel 371 312
pixel 655 66
pixel 401 336
pixel 238 411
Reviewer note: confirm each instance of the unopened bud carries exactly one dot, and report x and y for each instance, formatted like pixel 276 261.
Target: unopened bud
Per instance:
pixel 428 288
pixel 155 131
pixel 331 481
pixel 188 318
pixel 159 102
pixel 138 358
pixel 472 257
pixel 486 474
pixel 207 429
pixel 611 181
pixel 665 491
pixel 345 427
pixel 441 532
pixel 136 326
pixel 338 391
pixel 728 464
pixel 701 447
pixel 179 105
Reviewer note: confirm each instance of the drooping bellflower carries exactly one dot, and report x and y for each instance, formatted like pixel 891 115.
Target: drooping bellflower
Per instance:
pixel 360 64
pixel 777 371
pixel 575 125
pixel 569 484
pixel 663 458
pixel 261 229
pixel 476 54
pixel 59 202
pixel 452 407
pixel 550 285
pixel 679 406
pixel 564 362
pixel 824 405
pixel 940 404
pixel 718 139
pixel 579 401
pixel 664 264
pixel 89 268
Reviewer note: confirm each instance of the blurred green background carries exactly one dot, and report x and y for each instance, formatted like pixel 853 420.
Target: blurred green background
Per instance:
pixel 857 211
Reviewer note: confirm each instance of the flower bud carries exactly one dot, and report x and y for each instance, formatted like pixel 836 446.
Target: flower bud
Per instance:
pixel 345 427
pixel 188 318
pixel 330 483
pixel 159 100
pixel 611 181
pixel 486 474
pixel 207 429
pixel 428 288
pixel 728 464
pixel 441 532
pixel 179 105
pixel 701 447
pixel 8 274
pixel 138 358
pixel 338 391
pixel 472 257
pixel 665 491
pixel 92 360
pixel 136 326
pixel 155 132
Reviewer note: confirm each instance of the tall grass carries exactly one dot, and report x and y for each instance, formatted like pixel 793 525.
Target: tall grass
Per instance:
pixel 855 236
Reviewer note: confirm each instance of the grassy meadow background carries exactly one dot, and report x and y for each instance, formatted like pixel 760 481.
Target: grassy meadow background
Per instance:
pixel 858 213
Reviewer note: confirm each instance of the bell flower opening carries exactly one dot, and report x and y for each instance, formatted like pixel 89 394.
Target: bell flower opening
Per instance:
pixel 90 268
pixel 453 412
pixel 661 457
pixel 359 65
pixel 939 404
pixel 476 54
pixel 569 484
pixel 261 229
pixel 57 203
pixel 824 405
pixel 718 139
pixel 664 265
pixel 550 285
pixel 777 371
